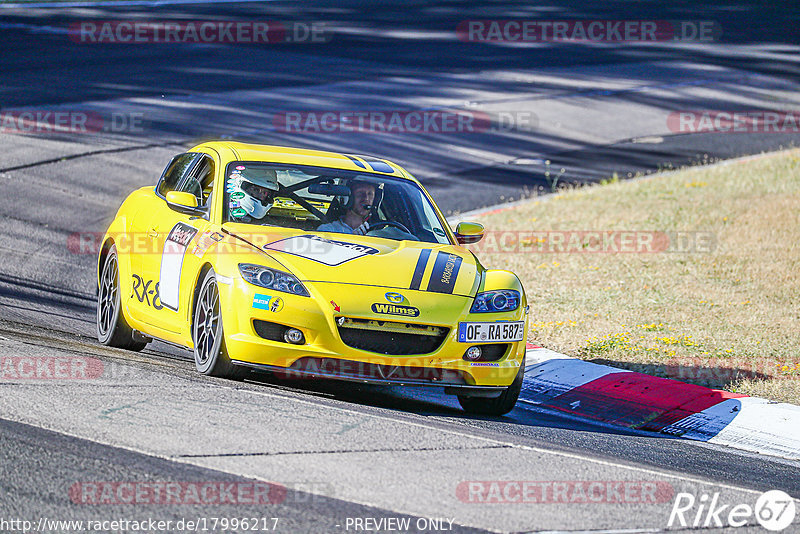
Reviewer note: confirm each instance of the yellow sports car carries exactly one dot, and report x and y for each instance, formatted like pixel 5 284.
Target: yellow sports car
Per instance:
pixel 310 264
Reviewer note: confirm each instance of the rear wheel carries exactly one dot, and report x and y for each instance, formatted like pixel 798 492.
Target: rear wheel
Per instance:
pixel 210 355
pixel 112 330
pixel 499 405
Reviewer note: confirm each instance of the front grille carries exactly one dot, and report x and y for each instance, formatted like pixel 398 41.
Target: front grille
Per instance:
pixel 389 337
pixel 333 367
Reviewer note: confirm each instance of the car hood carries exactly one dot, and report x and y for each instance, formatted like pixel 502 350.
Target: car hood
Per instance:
pixel 362 260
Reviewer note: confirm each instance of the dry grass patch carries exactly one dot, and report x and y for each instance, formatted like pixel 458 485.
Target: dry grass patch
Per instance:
pixel 724 314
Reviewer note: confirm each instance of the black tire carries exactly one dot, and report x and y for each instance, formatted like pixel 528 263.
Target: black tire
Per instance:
pixel 499 405
pixel 112 329
pixel 210 354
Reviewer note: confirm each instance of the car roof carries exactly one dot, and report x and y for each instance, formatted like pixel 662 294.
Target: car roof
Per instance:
pixel 301 156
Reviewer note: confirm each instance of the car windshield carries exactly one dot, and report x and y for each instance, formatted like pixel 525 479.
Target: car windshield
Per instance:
pixel 329 200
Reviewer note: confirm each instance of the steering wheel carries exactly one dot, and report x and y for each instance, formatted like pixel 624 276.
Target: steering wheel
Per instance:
pixel 378 226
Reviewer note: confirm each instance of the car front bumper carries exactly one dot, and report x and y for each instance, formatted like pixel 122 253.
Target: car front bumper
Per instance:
pixel 324 354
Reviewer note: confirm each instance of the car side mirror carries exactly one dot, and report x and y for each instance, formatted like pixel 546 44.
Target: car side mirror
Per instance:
pixel 183 202
pixel 468 233
pixel 180 198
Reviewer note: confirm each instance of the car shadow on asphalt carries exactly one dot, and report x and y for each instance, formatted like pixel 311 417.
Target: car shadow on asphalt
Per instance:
pixel 432 402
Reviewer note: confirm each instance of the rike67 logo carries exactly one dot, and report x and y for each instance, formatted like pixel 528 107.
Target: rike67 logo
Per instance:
pixel 774 510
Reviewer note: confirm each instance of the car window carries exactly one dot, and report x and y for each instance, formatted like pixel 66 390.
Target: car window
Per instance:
pixel 318 199
pixel 199 180
pixel 175 172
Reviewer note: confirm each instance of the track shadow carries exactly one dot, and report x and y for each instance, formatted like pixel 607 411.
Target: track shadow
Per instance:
pixel 721 376
pixel 410 58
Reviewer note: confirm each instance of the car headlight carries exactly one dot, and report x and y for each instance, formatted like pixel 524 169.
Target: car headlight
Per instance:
pixel 272 279
pixel 503 300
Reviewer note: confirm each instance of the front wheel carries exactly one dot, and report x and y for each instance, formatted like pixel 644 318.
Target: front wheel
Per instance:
pixel 210 355
pixel 112 330
pixel 499 405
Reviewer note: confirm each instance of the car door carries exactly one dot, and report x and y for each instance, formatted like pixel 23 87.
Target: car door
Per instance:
pixel 156 271
pixel 179 240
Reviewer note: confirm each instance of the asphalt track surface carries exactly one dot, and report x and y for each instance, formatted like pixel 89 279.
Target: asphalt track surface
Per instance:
pixel 344 452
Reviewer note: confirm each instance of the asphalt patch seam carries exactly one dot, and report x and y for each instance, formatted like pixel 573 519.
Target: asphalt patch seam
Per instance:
pixel 91 153
pixel 343 451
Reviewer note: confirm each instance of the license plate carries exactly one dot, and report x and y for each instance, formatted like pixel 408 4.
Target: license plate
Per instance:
pixel 491 332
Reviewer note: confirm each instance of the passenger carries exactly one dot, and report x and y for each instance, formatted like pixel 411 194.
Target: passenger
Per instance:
pixel 252 195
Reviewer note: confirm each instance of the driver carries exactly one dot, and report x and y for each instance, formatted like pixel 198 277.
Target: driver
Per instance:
pixel 354 220
pixel 252 193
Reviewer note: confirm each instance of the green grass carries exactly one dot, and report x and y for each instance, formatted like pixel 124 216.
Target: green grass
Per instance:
pixel 725 315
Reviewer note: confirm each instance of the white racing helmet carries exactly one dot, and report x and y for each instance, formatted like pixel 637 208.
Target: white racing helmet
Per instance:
pixel 240 187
